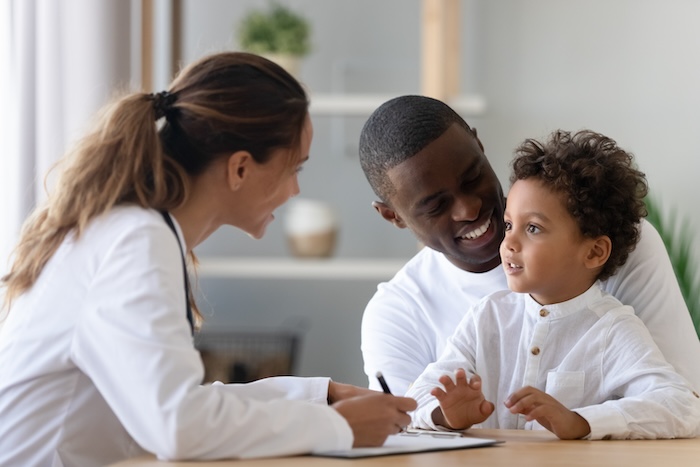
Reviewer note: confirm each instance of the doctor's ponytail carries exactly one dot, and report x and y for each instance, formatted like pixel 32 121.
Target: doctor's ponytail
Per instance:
pixel 145 148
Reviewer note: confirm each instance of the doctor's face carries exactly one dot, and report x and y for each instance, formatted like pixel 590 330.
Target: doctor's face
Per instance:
pixel 276 182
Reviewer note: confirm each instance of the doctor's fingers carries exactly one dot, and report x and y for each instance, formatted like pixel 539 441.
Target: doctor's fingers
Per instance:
pixel 404 404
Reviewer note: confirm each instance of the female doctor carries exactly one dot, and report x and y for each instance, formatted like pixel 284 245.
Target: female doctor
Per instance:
pixel 96 356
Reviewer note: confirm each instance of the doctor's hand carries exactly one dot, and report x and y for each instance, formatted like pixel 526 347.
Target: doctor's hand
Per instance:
pixel 375 416
pixel 339 391
pixel 549 412
pixel 462 404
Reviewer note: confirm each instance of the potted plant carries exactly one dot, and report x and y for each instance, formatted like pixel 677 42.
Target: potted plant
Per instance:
pixel 678 238
pixel 277 33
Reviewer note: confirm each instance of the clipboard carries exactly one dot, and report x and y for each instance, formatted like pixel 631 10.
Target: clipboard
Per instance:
pixel 412 441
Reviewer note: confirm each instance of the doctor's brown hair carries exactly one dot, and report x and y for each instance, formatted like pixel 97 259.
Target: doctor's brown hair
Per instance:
pixel 145 147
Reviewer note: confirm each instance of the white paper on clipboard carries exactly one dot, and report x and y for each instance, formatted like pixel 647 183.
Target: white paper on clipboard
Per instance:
pixel 413 441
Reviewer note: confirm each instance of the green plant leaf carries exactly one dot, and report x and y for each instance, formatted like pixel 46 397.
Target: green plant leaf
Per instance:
pixel 677 236
pixel 275 30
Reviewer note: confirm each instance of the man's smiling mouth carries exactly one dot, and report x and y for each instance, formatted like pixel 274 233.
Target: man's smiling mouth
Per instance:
pixel 478 232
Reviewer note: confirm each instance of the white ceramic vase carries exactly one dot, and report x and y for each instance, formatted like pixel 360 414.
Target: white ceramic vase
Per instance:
pixel 311 228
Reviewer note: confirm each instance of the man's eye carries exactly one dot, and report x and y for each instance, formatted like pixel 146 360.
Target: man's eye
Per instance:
pixel 437 208
pixel 472 178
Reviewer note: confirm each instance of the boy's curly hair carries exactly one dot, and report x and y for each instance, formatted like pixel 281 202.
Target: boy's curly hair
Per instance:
pixel 602 188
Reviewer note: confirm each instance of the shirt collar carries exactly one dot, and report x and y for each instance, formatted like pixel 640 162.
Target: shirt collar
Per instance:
pixel 559 310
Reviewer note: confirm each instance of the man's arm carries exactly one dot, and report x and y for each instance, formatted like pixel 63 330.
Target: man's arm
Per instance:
pixel 647 283
pixel 393 341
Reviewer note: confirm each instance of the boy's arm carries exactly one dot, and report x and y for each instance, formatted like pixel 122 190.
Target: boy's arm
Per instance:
pixel 648 284
pixel 457 359
pixel 651 399
pixel 548 412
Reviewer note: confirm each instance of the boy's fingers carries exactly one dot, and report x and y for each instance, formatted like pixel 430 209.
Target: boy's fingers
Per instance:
pixel 460 377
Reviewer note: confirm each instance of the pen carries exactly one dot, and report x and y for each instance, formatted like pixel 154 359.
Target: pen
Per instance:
pixel 382 382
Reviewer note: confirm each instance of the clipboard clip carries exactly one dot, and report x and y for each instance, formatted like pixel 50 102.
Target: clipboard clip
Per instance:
pixel 413 432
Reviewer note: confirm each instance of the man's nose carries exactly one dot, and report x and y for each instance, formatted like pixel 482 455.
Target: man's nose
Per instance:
pixel 466 208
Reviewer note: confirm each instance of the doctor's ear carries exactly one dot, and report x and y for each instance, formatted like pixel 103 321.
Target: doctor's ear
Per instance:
pixel 238 166
pixel 389 214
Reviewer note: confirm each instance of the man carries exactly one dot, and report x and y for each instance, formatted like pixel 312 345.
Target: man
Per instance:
pixel 429 170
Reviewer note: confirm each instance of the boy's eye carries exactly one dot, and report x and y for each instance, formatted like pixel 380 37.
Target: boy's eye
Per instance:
pixel 533 229
pixel 508 225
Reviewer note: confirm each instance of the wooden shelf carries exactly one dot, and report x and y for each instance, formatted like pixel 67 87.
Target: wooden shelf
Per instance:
pixel 302 269
pixel 364 104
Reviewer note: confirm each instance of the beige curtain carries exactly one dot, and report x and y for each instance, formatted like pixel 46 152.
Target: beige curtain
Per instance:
pixel 61 61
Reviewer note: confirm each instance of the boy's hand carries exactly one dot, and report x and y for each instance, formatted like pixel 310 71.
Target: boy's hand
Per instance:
pixel 549 412
pixel 462 403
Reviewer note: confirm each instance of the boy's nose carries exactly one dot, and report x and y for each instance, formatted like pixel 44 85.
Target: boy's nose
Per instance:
pixel 510 242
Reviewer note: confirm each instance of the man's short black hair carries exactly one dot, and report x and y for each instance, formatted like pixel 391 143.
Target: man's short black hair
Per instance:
pixel 398 130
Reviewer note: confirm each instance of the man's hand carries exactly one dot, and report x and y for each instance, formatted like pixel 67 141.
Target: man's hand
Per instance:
pixel 549 412
pixel 462 403
pixel 375 415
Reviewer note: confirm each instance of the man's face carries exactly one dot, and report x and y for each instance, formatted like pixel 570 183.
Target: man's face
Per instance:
pixel 450 198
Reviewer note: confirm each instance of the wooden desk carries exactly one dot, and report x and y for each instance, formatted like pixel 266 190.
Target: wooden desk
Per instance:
pixel 521 448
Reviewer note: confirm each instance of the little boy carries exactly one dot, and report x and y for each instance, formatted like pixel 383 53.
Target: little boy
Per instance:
pixel 556 351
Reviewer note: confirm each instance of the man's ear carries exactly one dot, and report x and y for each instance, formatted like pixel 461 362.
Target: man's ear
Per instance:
pixel 598 252
pixel 389 214
pixel 238 167
pixel 476 137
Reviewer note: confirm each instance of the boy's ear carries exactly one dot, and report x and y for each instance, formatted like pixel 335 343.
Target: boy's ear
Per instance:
pixel 599 252
pixel 389 214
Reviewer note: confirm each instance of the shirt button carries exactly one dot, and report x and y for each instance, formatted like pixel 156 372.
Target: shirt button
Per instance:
pixel 535 351
pixel 544 313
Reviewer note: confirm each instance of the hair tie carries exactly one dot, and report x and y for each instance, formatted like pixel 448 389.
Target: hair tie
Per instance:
pixel 162 103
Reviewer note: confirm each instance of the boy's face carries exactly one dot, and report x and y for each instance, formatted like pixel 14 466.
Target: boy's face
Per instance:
pixel 450 198
pixel 543 252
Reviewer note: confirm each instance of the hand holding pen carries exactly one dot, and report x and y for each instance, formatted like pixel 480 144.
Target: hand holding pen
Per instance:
pixel 382 383
pixel 372 416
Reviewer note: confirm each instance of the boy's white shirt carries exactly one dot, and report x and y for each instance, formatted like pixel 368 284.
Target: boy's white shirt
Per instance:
pixel 590 353
pixel 407 322
pixel 97 364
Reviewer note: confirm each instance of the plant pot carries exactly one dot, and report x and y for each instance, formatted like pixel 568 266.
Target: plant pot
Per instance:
pixel 291 63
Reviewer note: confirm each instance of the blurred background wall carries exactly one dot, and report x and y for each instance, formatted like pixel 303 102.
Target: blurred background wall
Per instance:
pixel 627 68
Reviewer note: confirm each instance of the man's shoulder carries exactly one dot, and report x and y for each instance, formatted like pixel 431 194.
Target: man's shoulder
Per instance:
pixel 425 269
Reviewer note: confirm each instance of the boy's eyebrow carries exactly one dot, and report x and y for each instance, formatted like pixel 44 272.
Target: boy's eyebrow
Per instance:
pixel 529 215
